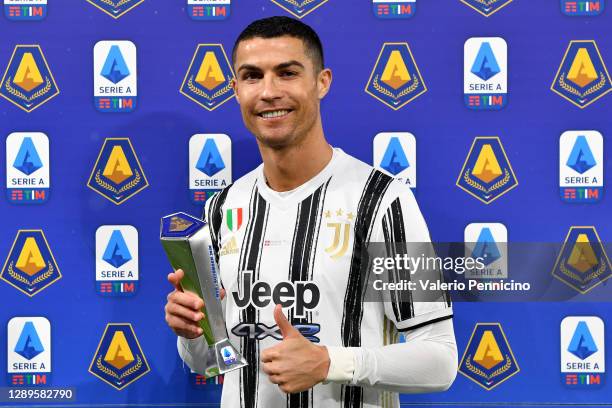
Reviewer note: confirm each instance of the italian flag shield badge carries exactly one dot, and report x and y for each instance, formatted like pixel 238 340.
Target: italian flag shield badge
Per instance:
pixel 233 218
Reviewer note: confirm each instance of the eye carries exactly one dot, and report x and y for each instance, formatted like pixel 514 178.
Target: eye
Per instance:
pixel 251 76
pixel 288 74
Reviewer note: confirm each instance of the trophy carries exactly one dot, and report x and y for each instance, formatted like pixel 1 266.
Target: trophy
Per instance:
pixel 188 245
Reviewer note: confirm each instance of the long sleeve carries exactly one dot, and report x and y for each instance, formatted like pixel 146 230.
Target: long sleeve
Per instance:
pixel 426 362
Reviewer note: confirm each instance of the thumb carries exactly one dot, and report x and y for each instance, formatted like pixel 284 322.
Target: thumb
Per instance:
pixel 287 330
pixel 175 279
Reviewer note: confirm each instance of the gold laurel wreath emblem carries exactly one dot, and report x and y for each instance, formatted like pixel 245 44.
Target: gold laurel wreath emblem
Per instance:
pixel 591 276
pixel 123 189
pixel 480 187
pixel 113 4
pixel 23 279
pixel 113 374
pixel 404 92
pixel 488 377
pixel 298 4
pixel 20 95
pixel 574 91
pixel 202 94
pixel 486 3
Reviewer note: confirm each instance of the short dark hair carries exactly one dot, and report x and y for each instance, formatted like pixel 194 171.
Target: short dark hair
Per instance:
pixel 280 26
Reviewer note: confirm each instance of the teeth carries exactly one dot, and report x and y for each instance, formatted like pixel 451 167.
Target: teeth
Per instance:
pixel 274 114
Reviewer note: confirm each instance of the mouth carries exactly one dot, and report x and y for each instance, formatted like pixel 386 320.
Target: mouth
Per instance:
pixel 274 114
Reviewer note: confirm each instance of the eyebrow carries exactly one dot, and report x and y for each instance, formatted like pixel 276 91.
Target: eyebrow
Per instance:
pixel 278 67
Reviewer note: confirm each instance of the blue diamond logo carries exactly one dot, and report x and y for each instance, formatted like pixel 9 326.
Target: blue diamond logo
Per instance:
pixel 485 66
pixel 115 69
pixel 210 161
pixel 29 345
pixel 27 160
pixel 581 158
pixel 394 160
pixel 486 248
pixel 582 344
pixel 116 252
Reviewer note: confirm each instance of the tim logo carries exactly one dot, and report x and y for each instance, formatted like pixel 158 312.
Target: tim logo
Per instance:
pixel 25 10
pixel 488 359
pixel 115 8
pixel 119 360
pixel 27 81
pixel 199 381
pixel 30 266
pixel 27 168
pixel 117 174
pixel 392 9
pixel 116 260
pixel 583 354
pixel 29 351
pixel 115 77
pixel 487 173
pixel 299 8
pixel 208 78
pixel 582 8
pixel 582 263
pixel 582 77
pixel 395 154
pixel 210 165
pixel 209 9
pixel 486 7
pixel 581 167
pixel 485 73
pixel 395 79
pixel 487 241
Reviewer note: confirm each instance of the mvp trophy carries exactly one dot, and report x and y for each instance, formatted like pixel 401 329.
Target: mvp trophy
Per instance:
pixel 188 246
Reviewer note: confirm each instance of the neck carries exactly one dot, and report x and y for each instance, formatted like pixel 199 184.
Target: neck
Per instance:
pixel 289 167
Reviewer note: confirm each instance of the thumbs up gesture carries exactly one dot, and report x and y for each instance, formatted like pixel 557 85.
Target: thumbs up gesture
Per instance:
pixel 295 364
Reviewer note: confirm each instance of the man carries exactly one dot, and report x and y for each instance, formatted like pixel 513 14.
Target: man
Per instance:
pixel 308 213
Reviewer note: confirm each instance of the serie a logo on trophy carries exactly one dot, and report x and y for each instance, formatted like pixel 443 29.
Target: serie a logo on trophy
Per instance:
pixel 188 245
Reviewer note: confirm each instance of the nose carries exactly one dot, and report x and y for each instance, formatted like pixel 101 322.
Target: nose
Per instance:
pixel 270 89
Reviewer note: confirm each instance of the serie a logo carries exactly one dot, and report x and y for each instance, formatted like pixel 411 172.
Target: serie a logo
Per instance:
pixel 209 76
pixel 27 168
pixel 583 352
pixel 115 8
pixel 583 262
pixel 582 77
pixel 395 154
pixel 488 359
pixel 29 351
pixel 395 79
pixel 117 174
pixel 299 8
pixel 489 242
pixel 30 266
pixel 210 165
pixel 394 9
pixel 25 10
pixel 487 173
pixel 486 7
pixel 115 76
pixel 209 9
pixel 27 81
pixel 119 360
pixel 116 260
pixel 581 166
pixel 485 73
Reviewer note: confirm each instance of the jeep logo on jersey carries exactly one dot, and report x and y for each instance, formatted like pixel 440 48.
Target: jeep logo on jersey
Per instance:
pixel 115 78
pixel 208 78
pixel 115 8
pixel 391 9
pixel 486 7
pixel 116 260
pixel 300 296
pixel 210 165
pixel 485 73
pixel 395 154
pixel 28 81
pixel 27 168
pixel 299 8
pixel 29 351
pixel 583 355
pixel 582 7
pixel 582 77
pixel 487 241
pixel 581 167
pixel 208 9
pixel 25 10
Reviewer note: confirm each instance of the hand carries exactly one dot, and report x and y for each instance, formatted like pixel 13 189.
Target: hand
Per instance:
pixel 183 309
pixel 295 364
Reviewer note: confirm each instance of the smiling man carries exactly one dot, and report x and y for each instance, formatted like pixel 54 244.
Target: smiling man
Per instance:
pixel 309 212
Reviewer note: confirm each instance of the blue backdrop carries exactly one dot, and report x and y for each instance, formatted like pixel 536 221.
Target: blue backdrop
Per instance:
pixel 537 34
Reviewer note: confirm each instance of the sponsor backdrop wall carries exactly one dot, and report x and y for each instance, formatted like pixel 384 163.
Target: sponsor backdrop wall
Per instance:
pixel 119 89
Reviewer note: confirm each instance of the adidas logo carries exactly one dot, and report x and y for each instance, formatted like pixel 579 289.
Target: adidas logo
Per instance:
pixel 229 248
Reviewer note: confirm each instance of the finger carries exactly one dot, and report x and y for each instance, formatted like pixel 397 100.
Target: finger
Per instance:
pixel 175 279
pixel 270 354
pixel 276 379
pixel 222 293
pixel 176 309
pixel 283 324
pixel 183 327
pixel 270 368
pixel 186 299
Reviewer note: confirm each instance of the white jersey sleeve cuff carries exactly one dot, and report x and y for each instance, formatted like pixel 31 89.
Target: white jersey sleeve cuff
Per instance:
pixel 341 364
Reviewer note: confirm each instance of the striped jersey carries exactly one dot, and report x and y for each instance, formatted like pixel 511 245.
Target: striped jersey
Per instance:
pixel 304 250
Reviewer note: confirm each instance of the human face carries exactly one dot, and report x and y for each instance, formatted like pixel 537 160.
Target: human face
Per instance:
pixel 279 89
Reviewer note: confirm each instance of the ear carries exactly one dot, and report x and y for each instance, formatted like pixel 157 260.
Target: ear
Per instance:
pixel 324 81
pixel 234 85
